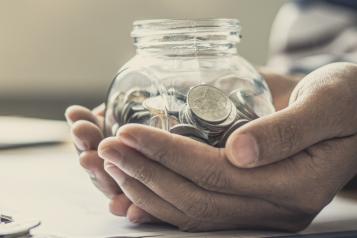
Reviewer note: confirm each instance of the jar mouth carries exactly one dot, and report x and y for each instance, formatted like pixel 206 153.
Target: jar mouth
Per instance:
pixel 143 28
pixel 197 37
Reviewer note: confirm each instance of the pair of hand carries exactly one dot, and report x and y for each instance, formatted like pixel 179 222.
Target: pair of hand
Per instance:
pixel 276 172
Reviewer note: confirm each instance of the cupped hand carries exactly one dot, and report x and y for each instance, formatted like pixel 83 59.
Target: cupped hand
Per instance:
pixel 86 129
pixel 277 172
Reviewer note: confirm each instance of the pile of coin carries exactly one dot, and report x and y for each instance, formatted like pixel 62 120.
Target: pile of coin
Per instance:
pixel 205 114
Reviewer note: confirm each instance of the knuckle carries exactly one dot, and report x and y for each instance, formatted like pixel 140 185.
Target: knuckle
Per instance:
pixel 140 202
pixel 200 206
pixel 285 135
pixel 144 175
pixel 161 155
pixel 165 154
pixel 126 182
pixel 215 180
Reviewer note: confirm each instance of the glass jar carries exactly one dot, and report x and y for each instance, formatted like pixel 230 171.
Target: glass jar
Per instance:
pixel 187 78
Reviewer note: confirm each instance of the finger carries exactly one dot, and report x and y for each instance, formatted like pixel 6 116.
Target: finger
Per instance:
pixel 99 110
pixel 119 205
pixel 150 174
pixel 207 166
pixel 204 210
pixel 75 113
pixel 86 135
pixel 200 163
pixel 137 215
pixel 308 120
pixel 94 166
pixel 145 199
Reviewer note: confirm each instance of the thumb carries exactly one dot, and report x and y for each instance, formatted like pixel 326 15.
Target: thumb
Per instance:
pixel 323 106
pixel 272 138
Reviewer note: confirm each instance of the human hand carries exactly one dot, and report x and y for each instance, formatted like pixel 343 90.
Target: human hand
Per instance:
pixel 86 129
pixel 302 157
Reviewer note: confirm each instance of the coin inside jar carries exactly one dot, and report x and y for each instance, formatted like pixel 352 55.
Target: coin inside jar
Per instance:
pixel 209 103
pixel 154 104
pixel 207 115
pixel 188 130
pixel 230 130
pixel 136 95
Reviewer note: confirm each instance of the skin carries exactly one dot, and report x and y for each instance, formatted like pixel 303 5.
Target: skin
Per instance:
pixel 276 172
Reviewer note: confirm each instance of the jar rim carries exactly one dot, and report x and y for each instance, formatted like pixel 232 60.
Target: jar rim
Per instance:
pixel 164 26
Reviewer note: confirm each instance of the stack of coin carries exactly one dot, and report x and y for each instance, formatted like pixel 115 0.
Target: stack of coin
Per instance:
pixel 128 108
pixel 205 114
pixel 210 111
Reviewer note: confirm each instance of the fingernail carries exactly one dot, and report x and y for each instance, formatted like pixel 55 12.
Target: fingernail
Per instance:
pixel 80 144
pixel 109 166
pixel 67 117
pixel 246 151
pixel 141 220
pixel 110 154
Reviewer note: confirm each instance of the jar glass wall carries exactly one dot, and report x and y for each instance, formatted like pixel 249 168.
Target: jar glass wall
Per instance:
pixel 187 78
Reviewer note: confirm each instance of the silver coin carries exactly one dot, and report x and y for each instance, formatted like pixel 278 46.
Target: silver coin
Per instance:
pixel 244 110
pixel 209 103
pixel 188 130
pixel 172 121
pixel 115 128
pixel 118 103
pixel 198 139
pixel 157 122
pixel 126 113
pixel 136 95
pixel 155 104
pixel 139 117
pixel 230 130
pixel 231 118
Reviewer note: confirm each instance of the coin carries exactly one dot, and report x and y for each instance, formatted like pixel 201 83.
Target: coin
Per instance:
pixel 230 130
pixel 139 117
pixel 115 128
pixel 157 121
pixel 174 105
pixel 206 114
pixel 172 121
pixel 188 130
pixel 118 103
pixel 154 104
pixel 243 108
pixel 136 95
pixel 209 103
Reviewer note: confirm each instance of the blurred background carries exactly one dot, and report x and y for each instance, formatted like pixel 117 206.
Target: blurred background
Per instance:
pixel 57 53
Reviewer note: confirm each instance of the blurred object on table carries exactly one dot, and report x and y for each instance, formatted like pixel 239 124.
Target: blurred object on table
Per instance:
pixel 21 132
